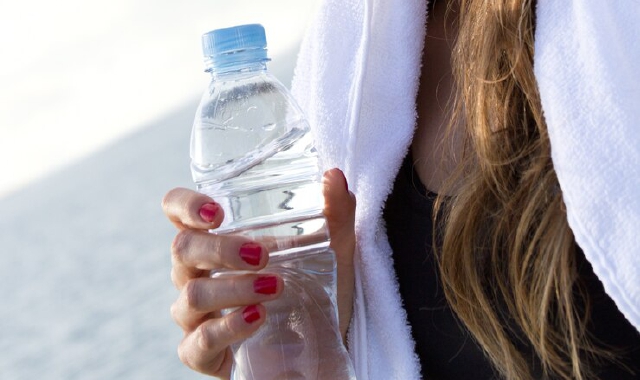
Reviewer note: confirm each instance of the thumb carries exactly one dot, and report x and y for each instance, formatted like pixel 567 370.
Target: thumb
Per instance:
pixel 340 209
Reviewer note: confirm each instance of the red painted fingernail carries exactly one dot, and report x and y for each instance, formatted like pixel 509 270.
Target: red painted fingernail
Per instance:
pixel 208 212
pixel 251 314
pixel 250 253
pixel 265 285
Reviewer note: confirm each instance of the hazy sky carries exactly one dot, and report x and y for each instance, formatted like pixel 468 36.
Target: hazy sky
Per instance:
pixel 75 75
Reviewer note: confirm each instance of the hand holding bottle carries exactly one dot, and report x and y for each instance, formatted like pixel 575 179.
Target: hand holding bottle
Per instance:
pixel 195 252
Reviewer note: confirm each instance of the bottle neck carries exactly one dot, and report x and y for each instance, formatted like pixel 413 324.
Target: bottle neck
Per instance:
pixel 238 68
pixel 237 61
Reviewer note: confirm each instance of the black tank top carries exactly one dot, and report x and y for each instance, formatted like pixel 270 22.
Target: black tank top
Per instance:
pixel 445 348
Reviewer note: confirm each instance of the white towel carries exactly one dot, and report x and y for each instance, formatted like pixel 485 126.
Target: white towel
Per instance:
pixel 357 78
pixel 587 64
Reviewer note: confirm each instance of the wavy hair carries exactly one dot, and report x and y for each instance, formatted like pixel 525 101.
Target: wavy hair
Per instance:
pixel 507 255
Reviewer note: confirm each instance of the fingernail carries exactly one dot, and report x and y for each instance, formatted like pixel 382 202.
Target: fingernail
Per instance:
pixel 251 314
pixel 208 212
pixel 265 285
pixel 250 253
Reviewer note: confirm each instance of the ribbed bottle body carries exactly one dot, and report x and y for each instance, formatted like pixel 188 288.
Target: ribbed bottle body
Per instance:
pixel 252 152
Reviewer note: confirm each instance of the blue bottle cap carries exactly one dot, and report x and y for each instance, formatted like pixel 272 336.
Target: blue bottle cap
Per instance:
pixel 228 46
pixel 240 37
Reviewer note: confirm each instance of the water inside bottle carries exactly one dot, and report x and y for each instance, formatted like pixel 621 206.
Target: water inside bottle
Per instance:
pixel 253 154
pixel 279 198
pixel 279 201
pixel 299 332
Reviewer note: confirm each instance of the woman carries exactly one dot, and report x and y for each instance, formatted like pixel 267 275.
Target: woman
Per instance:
pixel 502 287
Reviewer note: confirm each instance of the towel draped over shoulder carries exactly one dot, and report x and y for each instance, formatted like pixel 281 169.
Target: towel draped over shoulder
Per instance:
pixel 357 78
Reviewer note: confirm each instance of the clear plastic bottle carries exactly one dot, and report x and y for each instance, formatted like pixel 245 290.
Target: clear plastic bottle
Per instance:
pixel 251 151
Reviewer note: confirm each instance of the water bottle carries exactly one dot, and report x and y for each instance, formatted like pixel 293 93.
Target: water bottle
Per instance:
pixel 252 152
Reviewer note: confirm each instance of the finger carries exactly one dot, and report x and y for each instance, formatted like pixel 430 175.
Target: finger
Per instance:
pixel 339 209
pixel 189 209
pixel 200 297
pixel 195 252
pixel 206 348
pixel 181 274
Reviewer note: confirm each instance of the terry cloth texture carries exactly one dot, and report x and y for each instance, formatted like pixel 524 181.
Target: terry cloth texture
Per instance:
pixel 357 78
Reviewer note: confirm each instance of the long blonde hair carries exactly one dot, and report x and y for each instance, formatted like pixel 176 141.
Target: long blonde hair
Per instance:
pixel 507 256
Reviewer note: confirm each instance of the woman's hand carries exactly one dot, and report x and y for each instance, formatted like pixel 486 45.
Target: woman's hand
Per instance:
pixel 340 211
pixel 195 252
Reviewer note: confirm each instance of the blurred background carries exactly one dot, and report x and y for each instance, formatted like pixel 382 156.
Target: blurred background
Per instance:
pixel 96 105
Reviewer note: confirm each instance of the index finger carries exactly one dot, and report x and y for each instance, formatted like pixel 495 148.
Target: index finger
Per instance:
pixel 187 208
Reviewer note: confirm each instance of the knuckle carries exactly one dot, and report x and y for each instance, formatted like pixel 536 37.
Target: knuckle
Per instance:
pixel 204 338
pixel 183 354
pixel 193 294
pixel 174 310
pixel 216 248
pixel 215 245
pixel 180 244
pixel 238 288
pixel 175 278
pixel 230 327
